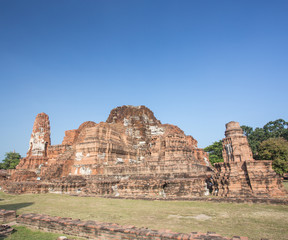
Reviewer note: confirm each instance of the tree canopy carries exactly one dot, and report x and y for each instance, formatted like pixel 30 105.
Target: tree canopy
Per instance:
pixel 273 129
pixel 275 149
pixel 11 160
pixel 215 152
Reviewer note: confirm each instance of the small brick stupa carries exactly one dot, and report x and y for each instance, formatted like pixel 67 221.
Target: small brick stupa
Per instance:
pixel 240 175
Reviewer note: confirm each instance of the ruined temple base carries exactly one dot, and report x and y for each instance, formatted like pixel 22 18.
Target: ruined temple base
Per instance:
pixel 274 201
pixel 164 186
pixel 247 179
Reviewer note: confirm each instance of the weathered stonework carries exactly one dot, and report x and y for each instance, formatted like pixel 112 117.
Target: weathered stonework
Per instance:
pixel 131 153
pixel 240 175
pixel 235 146
pixel 40 137
pixel 108 231
pixel 5 231
pixel 37 154
pixel 7 216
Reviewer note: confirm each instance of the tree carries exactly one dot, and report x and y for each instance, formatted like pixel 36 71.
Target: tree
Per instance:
pixel 255 140
pixel 252 138
pixel 275 149
pixel 11 160
pixel 285 134
pixel 247 130
pixel 215 152
pixel 277 128
pixel 273 129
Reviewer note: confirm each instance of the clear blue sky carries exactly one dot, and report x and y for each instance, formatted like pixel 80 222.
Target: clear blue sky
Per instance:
pixel 195 64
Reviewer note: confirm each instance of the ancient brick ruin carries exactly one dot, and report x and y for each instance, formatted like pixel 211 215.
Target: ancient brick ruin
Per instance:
pixel 240 175
pixel 130 154
pixel 94 229
pixel 133 154
pixel 7 216
pixel 108 231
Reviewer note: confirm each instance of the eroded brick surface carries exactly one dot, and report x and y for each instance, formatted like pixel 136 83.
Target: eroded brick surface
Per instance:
pixel 7 216
pixel 134 154
pixel 5 230
pixel 130 154
pixel 240 175
pixel 108 231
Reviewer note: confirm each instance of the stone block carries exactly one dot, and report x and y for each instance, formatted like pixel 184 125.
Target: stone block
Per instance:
pixel 7 216
pixel 107 231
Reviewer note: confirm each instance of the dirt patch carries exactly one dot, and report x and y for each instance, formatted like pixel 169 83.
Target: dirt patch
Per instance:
pixel 200 217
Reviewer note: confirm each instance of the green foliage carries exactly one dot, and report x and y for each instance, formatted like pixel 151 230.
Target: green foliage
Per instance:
pixel 269 143
pixel 215 152
pixel 11 160
pixel 275 149
pixel 247 130
pixel 23 233
pixel 273 129
pixel 255 138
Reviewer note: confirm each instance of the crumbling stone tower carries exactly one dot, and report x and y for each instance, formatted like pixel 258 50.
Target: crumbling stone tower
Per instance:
pixel 40 137
pixel 30 166
pixel 235 145
pixel 240 175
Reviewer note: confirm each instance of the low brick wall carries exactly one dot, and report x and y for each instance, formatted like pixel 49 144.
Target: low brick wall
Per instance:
pixel 5 230
pixel 7 216
pixel 276 201
pixel 107 231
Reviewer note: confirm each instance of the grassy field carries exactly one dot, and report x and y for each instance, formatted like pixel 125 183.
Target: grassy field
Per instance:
pixel 285 183
pixel 255 221
pixel 22 233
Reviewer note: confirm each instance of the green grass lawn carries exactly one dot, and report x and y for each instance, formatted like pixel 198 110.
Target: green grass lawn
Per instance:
pixel 255 221
pixel 23 233
pixel 285 183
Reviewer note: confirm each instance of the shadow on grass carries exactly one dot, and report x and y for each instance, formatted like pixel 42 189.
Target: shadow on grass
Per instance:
pixel 15 206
